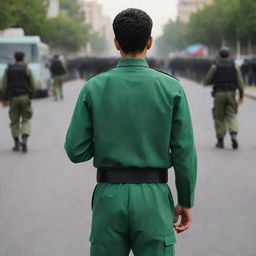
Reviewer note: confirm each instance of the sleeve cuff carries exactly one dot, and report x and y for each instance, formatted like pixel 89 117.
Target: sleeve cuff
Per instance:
pixel 187 202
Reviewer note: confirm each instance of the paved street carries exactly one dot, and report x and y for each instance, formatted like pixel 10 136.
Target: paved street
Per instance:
pixel 45 199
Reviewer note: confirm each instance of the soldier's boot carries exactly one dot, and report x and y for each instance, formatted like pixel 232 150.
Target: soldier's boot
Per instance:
pixel 16 147
pixel 220 143
pixel 24 146
pixel 234 140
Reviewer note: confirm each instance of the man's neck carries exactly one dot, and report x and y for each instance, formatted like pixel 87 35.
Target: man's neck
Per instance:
pixel 139 55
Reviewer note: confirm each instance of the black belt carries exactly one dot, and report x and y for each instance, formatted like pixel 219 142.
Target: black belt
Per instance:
pixel 132 175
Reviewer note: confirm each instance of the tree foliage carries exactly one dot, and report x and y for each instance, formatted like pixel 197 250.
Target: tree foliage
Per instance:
pixel 172 39
pixel 6 10
pixel 218 22
pixel 73 8
pixel 65 34
pixel 28 14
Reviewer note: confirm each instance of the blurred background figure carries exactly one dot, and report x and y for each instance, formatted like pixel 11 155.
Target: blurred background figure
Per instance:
pixel 252 72
pixel 18 88
pixel 245 71
pixel 226 79
pixel 58 70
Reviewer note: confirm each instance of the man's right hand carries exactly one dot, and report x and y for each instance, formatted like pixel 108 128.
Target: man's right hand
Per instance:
pixel 185 215
pixel 240 101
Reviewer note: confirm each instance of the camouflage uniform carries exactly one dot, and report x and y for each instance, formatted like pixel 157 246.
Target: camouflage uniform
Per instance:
pixel 58 70
pixel 18 88
pixel 226 79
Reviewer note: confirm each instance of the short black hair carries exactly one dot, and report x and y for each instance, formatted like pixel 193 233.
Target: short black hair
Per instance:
pixel 132 28
pixel 19 56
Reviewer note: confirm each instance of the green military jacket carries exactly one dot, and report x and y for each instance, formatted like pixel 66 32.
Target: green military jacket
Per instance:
pixel 135 116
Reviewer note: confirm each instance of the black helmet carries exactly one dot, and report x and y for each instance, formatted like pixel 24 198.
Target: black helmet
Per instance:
pixel 224 52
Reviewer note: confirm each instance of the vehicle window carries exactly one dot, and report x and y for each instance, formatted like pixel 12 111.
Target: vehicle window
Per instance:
pixel 7 52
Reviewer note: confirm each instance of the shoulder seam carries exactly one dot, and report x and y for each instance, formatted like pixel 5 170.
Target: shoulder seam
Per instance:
pixel 165 73
pixel 105 71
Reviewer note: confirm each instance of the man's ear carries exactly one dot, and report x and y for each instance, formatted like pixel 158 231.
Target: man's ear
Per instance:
pixel 117 44
pixel 150 42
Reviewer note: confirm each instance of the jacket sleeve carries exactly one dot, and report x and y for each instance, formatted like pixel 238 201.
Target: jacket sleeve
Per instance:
pixel 210 75
pixel 31 82
pixel 183 151
pixel 79 138
pixel 5 86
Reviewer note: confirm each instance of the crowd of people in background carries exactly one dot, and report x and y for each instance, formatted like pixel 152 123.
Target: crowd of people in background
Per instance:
pixel 248 69
pixel 195 68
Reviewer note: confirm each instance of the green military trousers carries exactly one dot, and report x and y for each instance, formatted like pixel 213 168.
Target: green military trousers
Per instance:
pixel 20 114
pixel 58 86
pixel 137 217
pixel 224 113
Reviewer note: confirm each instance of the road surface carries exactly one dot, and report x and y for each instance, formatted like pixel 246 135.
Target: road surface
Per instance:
pixel 45 199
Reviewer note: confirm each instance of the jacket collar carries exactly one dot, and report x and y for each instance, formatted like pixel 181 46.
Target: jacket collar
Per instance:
pixel 129 62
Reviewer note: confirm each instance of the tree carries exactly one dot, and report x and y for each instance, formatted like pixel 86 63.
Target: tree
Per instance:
pixel 73 8
pixel 246 19
pixel 6 18
pixel 172 39
pixel 224 20
pixel 221 21
pixel 64 33
pixel 28 14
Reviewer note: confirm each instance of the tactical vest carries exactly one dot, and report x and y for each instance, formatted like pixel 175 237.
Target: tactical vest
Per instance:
pixel 225 77
pixel 57 68
pixel 17 79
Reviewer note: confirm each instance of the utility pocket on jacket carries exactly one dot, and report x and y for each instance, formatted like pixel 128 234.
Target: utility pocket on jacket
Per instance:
pixel 169 242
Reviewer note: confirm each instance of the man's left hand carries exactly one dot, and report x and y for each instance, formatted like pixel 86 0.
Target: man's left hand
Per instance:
pixel 185 215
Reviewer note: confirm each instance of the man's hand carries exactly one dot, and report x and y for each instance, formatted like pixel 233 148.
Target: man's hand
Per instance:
pixel 240 101
pixel 185 215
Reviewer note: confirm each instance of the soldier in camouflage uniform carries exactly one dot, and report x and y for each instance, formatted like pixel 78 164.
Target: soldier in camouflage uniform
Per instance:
pixel 226 79
pixel 18 88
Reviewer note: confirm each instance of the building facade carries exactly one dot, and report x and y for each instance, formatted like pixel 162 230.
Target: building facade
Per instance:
pixel 98 22
pixel 93 14
pixel 187 7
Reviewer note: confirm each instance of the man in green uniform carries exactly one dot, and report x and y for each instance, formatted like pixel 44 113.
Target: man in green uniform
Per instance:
pixel 18 88
pixel 135 122
pixel 226 79
pixel 58 70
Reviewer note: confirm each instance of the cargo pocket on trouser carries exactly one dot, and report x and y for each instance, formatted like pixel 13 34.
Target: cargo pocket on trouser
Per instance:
pixel 26 109
pixel 169 243
pixel 92 249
